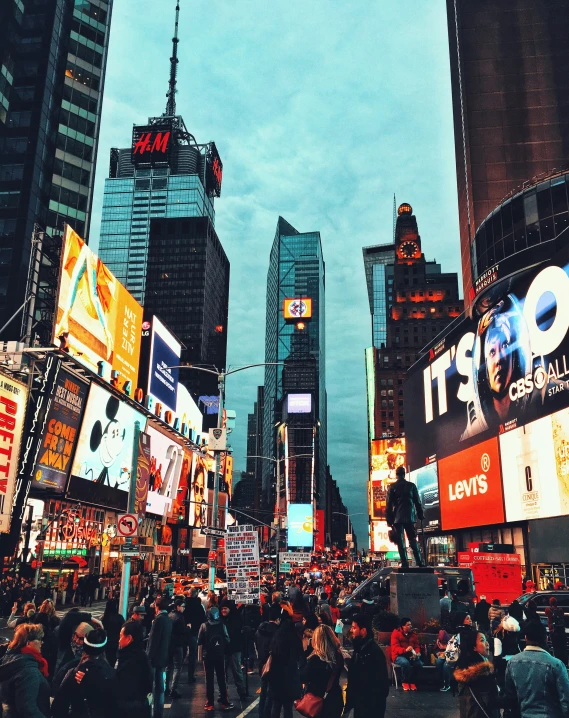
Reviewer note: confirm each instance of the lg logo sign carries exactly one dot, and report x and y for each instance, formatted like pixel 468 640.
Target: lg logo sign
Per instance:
pixel 474 485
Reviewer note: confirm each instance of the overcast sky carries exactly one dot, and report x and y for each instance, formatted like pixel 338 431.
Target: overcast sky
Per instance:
pixel 321 111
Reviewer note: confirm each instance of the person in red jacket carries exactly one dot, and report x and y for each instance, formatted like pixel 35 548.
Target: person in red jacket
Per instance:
pixel 406 653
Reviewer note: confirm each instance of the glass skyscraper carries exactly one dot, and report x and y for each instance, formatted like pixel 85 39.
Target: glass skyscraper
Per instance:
pixel 378 261
pixel 296 270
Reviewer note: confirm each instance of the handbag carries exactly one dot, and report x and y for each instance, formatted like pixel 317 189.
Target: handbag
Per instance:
pixel 310 705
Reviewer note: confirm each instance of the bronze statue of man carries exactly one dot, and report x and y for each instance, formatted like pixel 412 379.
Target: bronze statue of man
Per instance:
pixel 403 509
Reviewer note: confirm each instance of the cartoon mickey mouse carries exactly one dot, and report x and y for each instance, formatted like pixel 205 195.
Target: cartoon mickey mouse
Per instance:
pixel 109 441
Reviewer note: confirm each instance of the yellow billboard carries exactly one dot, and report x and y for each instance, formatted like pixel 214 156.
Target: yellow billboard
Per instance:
pixel 386 456
pixel 98 321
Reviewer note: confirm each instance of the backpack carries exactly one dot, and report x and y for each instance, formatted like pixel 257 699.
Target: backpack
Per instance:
pixel 452 651
pixel 215 644
pixel 558 619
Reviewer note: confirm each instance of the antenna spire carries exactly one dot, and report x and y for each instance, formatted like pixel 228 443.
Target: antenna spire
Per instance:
pixel 171 94
pixel 394 215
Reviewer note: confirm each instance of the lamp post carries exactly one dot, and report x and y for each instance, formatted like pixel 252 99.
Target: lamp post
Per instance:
pixel 221 376
pixel 350 525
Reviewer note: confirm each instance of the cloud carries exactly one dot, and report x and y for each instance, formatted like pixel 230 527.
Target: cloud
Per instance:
pixel 320 111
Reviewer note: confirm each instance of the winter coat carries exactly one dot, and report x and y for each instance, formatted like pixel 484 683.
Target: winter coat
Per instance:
pixel 477 691
pixel 194 614
pixel 284 676
pixel 403 504
pixel 316 676
pixel 400 642
pixel 178 637
pixel 234 626
pixel 538 683
pixel 209 629
pixel 159 640
pixel 24 691
pixel 95 697
pixel 481 615
pixel 134 676
pixel 368 680
pixel 263 639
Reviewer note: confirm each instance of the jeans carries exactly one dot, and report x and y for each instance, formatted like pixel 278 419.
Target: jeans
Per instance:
pixel 158 687
pixel 217 667
pixel 409 669
pixel 444 671
pixel 175 668
pixel 192 657
pixel 409 529
pixel 233 662
pixel 265 700
pixel 276 709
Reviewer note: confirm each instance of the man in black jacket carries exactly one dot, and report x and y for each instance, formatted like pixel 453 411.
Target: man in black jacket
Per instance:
pixel 403 509
pixel 158 651
pixel 481 614
pixel 194 616
pixel 177 643
pixel 214 638
pixel 263 639
pixel 232 621
pixel 368 680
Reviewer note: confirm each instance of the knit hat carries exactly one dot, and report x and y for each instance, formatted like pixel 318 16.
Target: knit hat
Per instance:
pixel 83 629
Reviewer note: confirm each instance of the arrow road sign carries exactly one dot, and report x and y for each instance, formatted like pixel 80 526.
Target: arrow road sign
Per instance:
pixel 127 525
pixel 211 531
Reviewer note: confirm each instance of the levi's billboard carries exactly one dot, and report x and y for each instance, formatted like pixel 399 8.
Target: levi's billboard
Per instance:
pixel 505 367
pixel 470 487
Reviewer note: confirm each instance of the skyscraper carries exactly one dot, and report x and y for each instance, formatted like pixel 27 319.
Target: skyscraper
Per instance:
pixel 378 263
pixel 510 75
pixel 52 71
pixel 294 419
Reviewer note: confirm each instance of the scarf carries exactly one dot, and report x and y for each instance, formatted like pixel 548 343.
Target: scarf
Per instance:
pixel 30 651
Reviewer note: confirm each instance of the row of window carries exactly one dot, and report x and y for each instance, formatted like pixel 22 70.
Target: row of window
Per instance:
pixel 13 145
pixel 79 124
pixel 19 118
pixel 68 198
pixel 92 11
pixel 79 74
pixel 9 200
pixel 70 172
pixel 80 99
pixel 7 227
pixel 87 31
pixel 87 54
pixel 11 173
pixel 74 147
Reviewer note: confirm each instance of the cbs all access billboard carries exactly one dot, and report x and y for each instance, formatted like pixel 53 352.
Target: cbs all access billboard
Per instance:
pixel 489 403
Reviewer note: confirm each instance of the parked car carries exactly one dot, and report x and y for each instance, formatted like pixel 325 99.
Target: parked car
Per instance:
pixel 542 600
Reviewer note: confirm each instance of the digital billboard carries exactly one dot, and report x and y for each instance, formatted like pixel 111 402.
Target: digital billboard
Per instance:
pixel 320 533
pixel 13 401
pixel 166 457
pixel 60 433
pixel 199 491
pixel 300 526
pixel 386 456
pixel 426 479
pixel 505 367
pixel 379 535
pixel 165 351
pixel 105 448
pixel 213 171
pixel 299 403
pixel 297 308
pixel 98 321
pixel 470 487
pixel 151 144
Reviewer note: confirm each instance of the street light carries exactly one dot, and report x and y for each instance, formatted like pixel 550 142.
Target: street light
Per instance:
pixel 342 513
pixel 221 376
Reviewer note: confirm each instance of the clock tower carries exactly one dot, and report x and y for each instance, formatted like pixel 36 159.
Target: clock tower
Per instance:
pixel 407 237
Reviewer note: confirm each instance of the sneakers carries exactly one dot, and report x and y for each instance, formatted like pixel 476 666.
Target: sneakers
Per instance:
pixel 406 686
pixel 227 706
pixel 209 706
pixel 413 687
pixel 444 689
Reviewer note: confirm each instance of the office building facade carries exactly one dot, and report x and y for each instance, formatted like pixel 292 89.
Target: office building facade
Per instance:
pixel 510 79
pixel 378 262
pixel 296 271
pixel 52 70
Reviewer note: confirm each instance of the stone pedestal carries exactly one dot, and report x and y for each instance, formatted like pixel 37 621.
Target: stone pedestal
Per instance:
pixel 415 595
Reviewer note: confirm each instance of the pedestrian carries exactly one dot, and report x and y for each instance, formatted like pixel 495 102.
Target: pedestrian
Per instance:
pixel 158 651
pixel 530 609
pixel 477 687
pixel 506 645
pixel 24 689
pixel 91 689
pixel 495 613
pixel 177 643
pixel 536 682
pixel 70 658
pixel 139 616
pixel 321 674
pixel 73 618
pixel 406 653
pixel 284 674
pixel 516 611
pixel 233 651
pixel 112 623
pixel 481 614
pixel 263 638
pixel 442 666
pixel 213 637
pixel 47 618
pixel 27 616
pixel 368 680
pixel 134 672
pixel 403 509
pixel 194 616
pixel 556 623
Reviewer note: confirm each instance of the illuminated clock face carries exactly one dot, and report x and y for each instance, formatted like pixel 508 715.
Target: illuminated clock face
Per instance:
pixel 409 249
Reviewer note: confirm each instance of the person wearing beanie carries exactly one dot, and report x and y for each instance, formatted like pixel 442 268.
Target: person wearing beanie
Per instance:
pixel 76 652
pixel 214 639
pixel 91 689
pixel 158 651
pixel 234 625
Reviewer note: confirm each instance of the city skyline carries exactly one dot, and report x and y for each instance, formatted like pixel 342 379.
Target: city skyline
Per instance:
pixel 324 138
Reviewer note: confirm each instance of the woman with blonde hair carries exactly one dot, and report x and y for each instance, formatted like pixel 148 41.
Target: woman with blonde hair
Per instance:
pixel 27 616
pixel 24 689
pixel 321 674
pixel 47 618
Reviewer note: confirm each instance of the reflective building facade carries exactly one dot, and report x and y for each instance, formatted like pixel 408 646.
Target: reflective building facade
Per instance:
pixel 377 262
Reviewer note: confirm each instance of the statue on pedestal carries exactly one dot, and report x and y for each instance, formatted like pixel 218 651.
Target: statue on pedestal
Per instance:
pixel 403 509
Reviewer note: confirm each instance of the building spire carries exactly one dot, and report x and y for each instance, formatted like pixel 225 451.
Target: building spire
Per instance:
pixel 394 215
pixel 171 94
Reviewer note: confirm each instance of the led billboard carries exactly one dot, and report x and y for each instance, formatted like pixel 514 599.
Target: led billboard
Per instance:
pixel 300 526
pixel 299 403
pixel 297 308
pixel 165 351
pixel 470 487
pixel 151 144
pixel 98 321
pixel 13 401
pixel 426 479
pixel 213 171
pixel 379 535
pixel 386 456
pixel 166 457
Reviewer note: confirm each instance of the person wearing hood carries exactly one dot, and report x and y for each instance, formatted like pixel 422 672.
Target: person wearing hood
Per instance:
pixel 214 639
pixel 234 625
pixel 91 689
pixel 477 687
pixel 263 638
pixel 24 689
pixel 194 616
pixel 158 651
pixel 74 656
pixel 134 672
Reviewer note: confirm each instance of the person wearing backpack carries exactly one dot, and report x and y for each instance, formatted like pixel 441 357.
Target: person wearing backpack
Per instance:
pixel 556 624
pixel 158 652
pixel 214 639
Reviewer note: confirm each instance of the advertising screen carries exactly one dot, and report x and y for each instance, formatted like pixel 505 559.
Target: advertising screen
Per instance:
pixel 61 431
pixel 199 491
pixel 386 456
pixel 13 401
pixel 426 479
pixel 320 533
pixel 214 171
pixel 98 321
pixel 151 143
pixel 506 367
pixel 298 308
pixel 470 487
pixel 380 542
pixel 104 452
pixel 166 457
pixel 300 525
pixel 164 352
pixel 299 403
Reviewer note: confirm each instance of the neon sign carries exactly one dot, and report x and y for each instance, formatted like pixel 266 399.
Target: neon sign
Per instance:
pixel 151 144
